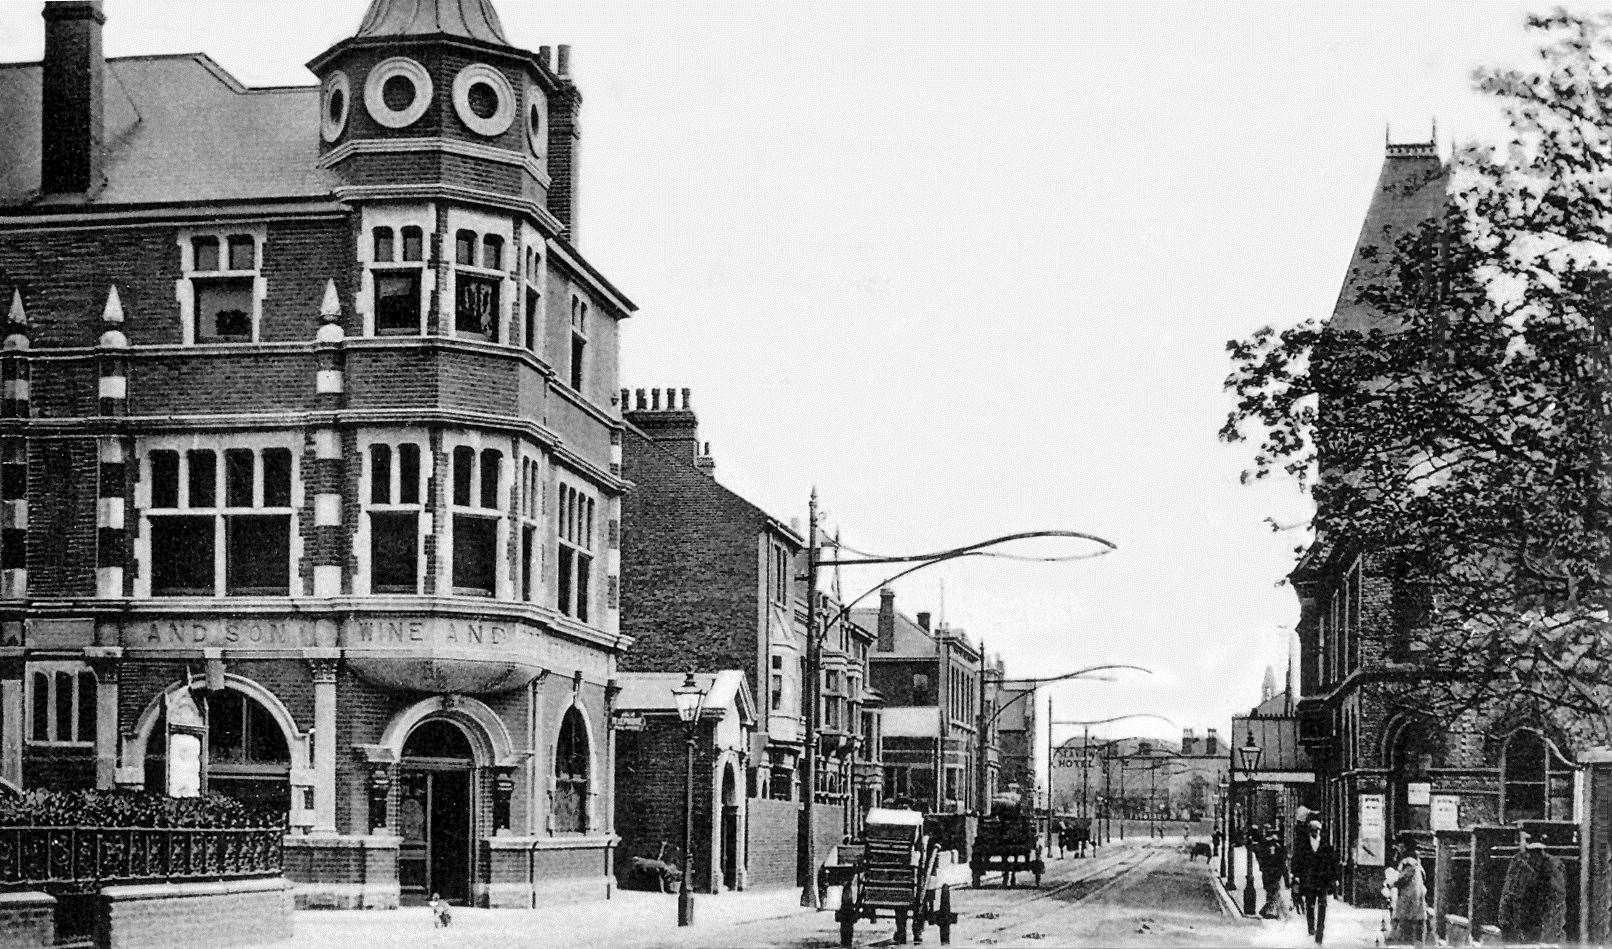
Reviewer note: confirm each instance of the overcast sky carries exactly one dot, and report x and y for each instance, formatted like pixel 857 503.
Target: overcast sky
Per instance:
pixel 969 269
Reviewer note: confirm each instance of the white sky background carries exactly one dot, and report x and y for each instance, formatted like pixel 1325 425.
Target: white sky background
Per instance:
pixel 969 268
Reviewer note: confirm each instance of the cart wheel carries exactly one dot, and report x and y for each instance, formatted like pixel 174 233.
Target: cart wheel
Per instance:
pixel 945 921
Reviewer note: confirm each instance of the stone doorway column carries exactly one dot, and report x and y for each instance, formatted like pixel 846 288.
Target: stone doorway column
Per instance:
pixel 322 663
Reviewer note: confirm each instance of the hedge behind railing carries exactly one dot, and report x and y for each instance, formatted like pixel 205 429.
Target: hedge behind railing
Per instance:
pixel 84 839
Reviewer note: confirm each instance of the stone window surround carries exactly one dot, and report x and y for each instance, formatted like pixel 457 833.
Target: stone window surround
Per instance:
pixel 361 536
pixel 49 670
pixel 503 581
pixel 256 441
pixel 483 226
pixel 184 287
pixel 395 218
pixel 581 546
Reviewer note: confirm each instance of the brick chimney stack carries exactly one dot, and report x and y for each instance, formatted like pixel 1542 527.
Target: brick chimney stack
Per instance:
pixel 887 620
pixel 923 621
pixel 72 114
pixel 673 426
pixel 1188 740
pixel 565 146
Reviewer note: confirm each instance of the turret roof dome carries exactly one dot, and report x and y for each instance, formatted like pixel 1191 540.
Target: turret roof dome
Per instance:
pixel 472 19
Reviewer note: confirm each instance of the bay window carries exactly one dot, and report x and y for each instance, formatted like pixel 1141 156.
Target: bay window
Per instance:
pixel 575 529
pixel 476 517
pixel 394 510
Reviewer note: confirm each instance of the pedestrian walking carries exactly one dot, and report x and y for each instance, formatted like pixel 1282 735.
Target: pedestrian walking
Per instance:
pixel 1410 896
pixel 1217 840
pixel 1273 872
pixel 1315 870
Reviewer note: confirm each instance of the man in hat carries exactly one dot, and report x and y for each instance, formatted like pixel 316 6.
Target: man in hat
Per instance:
pixel 1315 872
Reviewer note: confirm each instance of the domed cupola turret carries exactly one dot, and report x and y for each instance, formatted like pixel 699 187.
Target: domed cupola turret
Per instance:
pixel 472 19
pixel 429 98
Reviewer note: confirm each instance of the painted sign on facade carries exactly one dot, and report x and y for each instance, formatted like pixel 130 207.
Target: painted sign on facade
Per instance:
pixel 1369 842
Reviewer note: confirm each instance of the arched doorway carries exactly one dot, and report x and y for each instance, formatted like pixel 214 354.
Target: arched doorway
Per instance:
pixel 1416 748
pixel 435 804
pixel 730 829
pixel 248 757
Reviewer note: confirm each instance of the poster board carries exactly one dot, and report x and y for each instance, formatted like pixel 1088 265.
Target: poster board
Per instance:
pixel 1369 840
pixel 1446 814
pixel 1418 793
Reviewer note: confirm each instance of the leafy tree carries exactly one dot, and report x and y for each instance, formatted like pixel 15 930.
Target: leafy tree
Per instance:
pixel 1462 432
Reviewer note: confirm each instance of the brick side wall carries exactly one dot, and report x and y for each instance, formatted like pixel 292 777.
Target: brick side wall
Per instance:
pixel 774 832
pixel 689 567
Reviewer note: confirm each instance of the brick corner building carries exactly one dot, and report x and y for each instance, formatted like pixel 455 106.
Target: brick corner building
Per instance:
pixel 308 419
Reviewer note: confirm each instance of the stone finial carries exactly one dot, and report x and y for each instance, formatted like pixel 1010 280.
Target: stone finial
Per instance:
pixel 330 309
pixel 17 315
pixel 113 311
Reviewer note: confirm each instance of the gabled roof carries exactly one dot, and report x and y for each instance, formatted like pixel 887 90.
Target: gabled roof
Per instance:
pixel 179 129
pixel 651 693
pixel 472 19
pixel 912 641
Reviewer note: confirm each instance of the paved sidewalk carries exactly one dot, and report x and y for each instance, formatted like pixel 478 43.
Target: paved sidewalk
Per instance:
pixel 628 918
pixel 1347 924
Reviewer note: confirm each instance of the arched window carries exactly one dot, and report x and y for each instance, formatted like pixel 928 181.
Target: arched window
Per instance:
pixel 1538 781
pixel 571 776
pixel 247 754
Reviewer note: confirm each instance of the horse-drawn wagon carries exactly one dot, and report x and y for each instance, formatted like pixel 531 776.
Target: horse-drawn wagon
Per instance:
pixel 892 870
pixel 1007 841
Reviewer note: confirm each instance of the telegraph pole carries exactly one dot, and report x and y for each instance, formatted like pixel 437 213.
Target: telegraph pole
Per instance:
pixel 808 710
pixel 1049 772
pixel 981 745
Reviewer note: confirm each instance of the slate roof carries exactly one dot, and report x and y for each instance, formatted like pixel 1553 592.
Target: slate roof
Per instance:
pixel 473 19
pixel 179 129
pixel 1411 189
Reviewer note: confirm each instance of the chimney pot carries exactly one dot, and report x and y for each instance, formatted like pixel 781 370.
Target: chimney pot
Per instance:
pixel 565 60
pixel 625 404
pixel 923 621
pixel 686 405
pixel 654 400
pixel 545 56
pixel 671 400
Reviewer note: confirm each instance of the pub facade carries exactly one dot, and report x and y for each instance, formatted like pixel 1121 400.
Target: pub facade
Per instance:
pixel 309 451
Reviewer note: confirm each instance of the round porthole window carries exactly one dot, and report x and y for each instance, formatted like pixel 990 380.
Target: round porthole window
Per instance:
pixel 484 100
pixel 397 92
pixel 334 101
pixel 537 133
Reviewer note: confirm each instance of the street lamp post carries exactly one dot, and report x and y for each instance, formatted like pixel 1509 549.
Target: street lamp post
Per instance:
pixel 1223 819
pixel 690 699
pixel 1249 753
